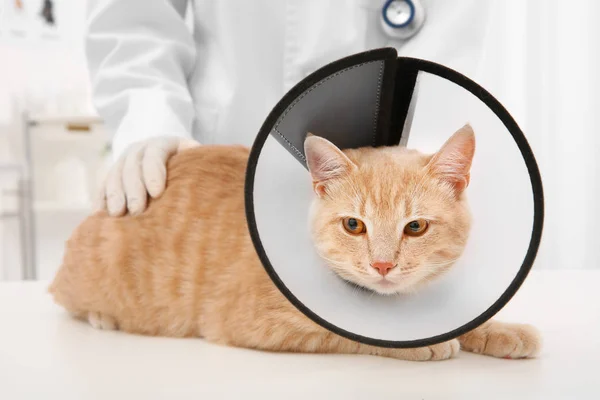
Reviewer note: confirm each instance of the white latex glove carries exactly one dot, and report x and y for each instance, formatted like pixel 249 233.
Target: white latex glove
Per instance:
pixel 139 172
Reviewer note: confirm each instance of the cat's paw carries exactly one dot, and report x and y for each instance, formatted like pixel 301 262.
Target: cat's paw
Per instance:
pixel 101 321
pixel 502 340
pixel 435 352
pixel 444 351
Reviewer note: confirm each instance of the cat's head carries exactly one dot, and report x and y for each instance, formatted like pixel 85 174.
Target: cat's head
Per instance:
pixel 389 219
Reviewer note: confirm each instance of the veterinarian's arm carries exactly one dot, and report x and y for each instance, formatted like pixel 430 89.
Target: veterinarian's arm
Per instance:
pixel 140 54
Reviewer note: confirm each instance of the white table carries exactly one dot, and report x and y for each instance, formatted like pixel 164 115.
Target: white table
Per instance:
pixel 45 354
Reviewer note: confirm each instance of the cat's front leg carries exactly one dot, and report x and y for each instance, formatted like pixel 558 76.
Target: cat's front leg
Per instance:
pixel 326 342
pixel 503 340
pixel 436 352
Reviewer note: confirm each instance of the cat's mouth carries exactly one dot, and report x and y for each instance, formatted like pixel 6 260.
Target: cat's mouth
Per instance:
pixel 383 283
pixel 382 287
pixel 358 286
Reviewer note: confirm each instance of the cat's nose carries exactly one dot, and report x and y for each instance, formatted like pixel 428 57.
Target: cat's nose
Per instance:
pixel 383 267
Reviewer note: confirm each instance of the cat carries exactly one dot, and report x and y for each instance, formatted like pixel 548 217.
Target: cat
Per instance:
pixel 387 219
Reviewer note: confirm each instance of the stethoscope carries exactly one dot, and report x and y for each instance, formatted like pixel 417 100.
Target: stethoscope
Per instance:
pixel 402 19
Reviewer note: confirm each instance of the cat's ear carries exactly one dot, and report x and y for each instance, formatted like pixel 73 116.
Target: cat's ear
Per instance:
pixel 452 163
pixel 325 162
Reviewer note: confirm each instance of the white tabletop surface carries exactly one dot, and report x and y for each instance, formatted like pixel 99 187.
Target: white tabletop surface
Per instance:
pixel 45 354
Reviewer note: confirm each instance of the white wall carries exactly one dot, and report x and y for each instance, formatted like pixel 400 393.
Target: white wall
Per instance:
pixel 549 82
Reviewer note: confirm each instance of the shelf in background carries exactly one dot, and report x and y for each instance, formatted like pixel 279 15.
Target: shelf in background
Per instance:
pixel 64 119
pixel 72 136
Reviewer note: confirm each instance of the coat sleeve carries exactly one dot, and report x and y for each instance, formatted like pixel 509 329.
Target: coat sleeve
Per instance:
pixel 140 54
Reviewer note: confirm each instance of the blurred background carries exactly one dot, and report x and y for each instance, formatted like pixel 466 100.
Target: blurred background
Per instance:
pixel 54 149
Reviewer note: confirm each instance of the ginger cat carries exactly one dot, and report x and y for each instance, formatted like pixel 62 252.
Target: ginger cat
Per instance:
pixel 187 267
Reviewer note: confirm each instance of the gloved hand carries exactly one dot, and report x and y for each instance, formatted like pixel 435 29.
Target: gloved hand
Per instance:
pixel 139 172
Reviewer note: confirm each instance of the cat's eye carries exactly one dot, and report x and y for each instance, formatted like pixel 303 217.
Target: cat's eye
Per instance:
pixel 416 227
pixel 354 226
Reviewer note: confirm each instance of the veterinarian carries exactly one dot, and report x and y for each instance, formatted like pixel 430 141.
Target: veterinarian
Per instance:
pixel 161 87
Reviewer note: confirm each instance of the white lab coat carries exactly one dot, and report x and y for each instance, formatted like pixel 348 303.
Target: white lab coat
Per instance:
pixel 152 76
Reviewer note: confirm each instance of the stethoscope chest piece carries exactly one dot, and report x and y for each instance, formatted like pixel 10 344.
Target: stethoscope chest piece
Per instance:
pixel 402 19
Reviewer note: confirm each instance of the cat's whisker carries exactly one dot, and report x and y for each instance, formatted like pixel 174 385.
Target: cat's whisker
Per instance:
pixel 341 273
pixel 428 266
pixel 357 289
pixel 441 263
pixel 330 260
